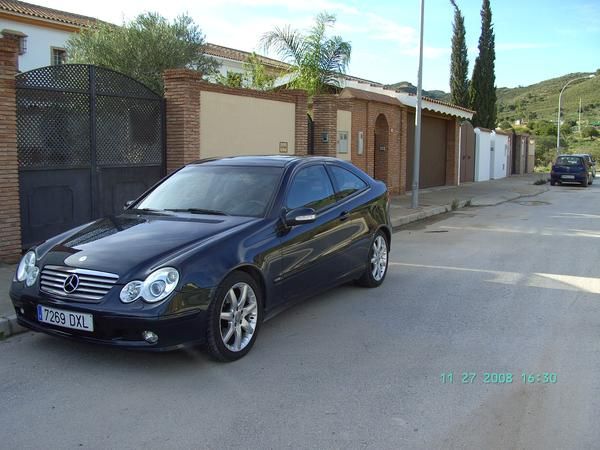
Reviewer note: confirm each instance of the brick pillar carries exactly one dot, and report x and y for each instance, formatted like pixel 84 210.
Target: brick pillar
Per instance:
pixel 10 219
pixel 301 125
pixel 403 149
pixel 393 155
pixel 325 120
pixel 370 139
pixel 182 95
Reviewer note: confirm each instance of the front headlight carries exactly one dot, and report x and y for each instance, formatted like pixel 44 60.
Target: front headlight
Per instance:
pixel 155 288
pixel 27 270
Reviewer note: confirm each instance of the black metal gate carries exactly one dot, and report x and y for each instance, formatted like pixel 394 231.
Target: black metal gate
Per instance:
pixel 88 139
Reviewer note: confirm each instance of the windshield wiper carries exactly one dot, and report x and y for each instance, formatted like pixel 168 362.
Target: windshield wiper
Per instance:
pixel 146 210
pixel 199 211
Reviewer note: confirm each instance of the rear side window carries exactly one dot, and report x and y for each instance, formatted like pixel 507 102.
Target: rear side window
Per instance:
pixel 311 188
pixel 346 182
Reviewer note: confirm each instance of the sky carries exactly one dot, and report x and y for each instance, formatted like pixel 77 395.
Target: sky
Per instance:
pixel 535 39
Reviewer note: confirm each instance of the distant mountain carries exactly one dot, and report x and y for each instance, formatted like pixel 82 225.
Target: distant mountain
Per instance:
pixel 540 100
pixel 410 88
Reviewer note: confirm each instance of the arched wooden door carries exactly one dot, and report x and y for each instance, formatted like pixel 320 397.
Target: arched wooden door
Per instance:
pixel 382 133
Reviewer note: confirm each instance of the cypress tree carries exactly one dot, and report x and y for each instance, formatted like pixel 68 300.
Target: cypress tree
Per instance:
pixel 459 63
pixel 482 90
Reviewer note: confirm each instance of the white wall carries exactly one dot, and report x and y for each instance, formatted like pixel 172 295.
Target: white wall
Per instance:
pixel 39 42
pixel 482 155
pixel 239 125
pixel 500 155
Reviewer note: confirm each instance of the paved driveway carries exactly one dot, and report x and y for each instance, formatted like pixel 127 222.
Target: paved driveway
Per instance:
pixel 500 290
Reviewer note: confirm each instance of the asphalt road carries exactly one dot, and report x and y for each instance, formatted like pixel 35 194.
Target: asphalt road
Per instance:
pixel 501 290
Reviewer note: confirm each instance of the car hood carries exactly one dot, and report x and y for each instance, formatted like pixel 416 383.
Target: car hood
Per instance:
pixel 129 242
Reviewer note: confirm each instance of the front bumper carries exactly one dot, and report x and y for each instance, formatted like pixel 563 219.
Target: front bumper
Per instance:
pixel 118 330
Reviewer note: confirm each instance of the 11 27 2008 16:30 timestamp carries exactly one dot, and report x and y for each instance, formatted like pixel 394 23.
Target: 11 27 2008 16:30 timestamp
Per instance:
pixel 498 377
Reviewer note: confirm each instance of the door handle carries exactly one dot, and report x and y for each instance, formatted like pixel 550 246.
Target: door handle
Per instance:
pixel 344 215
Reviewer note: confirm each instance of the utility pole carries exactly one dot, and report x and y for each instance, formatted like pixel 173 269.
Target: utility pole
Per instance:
pixel 417 156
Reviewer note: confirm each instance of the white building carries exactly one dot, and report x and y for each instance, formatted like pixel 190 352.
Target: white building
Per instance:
pixel 42 32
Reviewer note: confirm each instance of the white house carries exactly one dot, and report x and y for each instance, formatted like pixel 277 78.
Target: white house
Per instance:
pixel 42 32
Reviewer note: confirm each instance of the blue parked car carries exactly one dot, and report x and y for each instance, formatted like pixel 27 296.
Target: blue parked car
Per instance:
pixel 571 169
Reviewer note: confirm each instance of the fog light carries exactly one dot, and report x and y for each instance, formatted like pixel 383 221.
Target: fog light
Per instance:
pixel 22 311
pixel 150 337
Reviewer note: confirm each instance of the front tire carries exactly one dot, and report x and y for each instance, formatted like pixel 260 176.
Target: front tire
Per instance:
pixel 377 262
pixel 234 317
pixel 552 183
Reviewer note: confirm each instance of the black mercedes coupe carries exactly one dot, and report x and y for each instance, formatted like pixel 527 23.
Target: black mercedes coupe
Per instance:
pixel 209 253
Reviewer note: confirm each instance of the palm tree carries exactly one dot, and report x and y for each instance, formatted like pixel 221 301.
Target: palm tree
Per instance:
pixel 317 60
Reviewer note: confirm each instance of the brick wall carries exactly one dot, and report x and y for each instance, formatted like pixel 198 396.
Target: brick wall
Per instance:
pixel 10 220
pixel 364 115
pixel 182 94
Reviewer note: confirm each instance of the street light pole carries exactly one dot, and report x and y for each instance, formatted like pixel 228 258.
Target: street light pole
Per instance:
pixel 417 154
pixel 559 108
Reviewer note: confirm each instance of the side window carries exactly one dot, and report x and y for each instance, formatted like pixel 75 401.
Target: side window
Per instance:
pixel 347 183
pixel 311 188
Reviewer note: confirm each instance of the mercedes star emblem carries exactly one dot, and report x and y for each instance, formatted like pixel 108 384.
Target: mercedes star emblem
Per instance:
pixel 71 283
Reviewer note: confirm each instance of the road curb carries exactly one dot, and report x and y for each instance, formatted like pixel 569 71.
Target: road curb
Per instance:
pixel 9 326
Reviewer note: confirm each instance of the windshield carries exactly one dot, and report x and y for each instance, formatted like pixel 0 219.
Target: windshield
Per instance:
pixel 229 190
pixel 568 161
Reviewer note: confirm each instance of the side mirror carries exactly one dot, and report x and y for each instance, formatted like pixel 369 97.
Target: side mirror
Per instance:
pixel 128 203
pixel 299 216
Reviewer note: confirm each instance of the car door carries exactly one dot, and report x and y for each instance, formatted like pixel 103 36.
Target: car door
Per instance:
pixel 311 252
pixel 356 231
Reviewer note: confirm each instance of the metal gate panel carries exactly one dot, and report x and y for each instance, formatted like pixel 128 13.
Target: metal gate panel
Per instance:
pixel 88 139
pixel 467 152
pixel 432 162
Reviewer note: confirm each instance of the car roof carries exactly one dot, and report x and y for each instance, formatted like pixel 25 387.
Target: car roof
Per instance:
pixel 580 154
pixel 262 160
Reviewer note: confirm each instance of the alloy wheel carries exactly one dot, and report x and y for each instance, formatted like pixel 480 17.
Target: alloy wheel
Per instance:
pixel 238 318
pixel 379 258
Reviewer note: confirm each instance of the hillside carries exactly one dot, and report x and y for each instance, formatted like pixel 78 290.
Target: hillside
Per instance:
pixel 406 86
pixel 540 100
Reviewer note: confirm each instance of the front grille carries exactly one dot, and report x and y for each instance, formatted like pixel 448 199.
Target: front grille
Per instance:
pixel 93 285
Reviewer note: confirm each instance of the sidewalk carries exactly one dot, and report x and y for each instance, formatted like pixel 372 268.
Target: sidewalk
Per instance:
pixel 432 201
pixel 439 200
pixel 8 319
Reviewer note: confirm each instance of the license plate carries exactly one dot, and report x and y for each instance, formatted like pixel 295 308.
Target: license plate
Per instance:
pixel 568 177
pixel 65 319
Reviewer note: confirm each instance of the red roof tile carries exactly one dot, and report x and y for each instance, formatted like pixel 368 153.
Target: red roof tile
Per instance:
pixel 41 12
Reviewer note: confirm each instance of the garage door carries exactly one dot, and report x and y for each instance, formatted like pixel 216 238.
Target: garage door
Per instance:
pixel 433 152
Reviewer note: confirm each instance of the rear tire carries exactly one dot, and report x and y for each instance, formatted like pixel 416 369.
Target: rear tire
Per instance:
pixel 377 262
pixel 234 317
